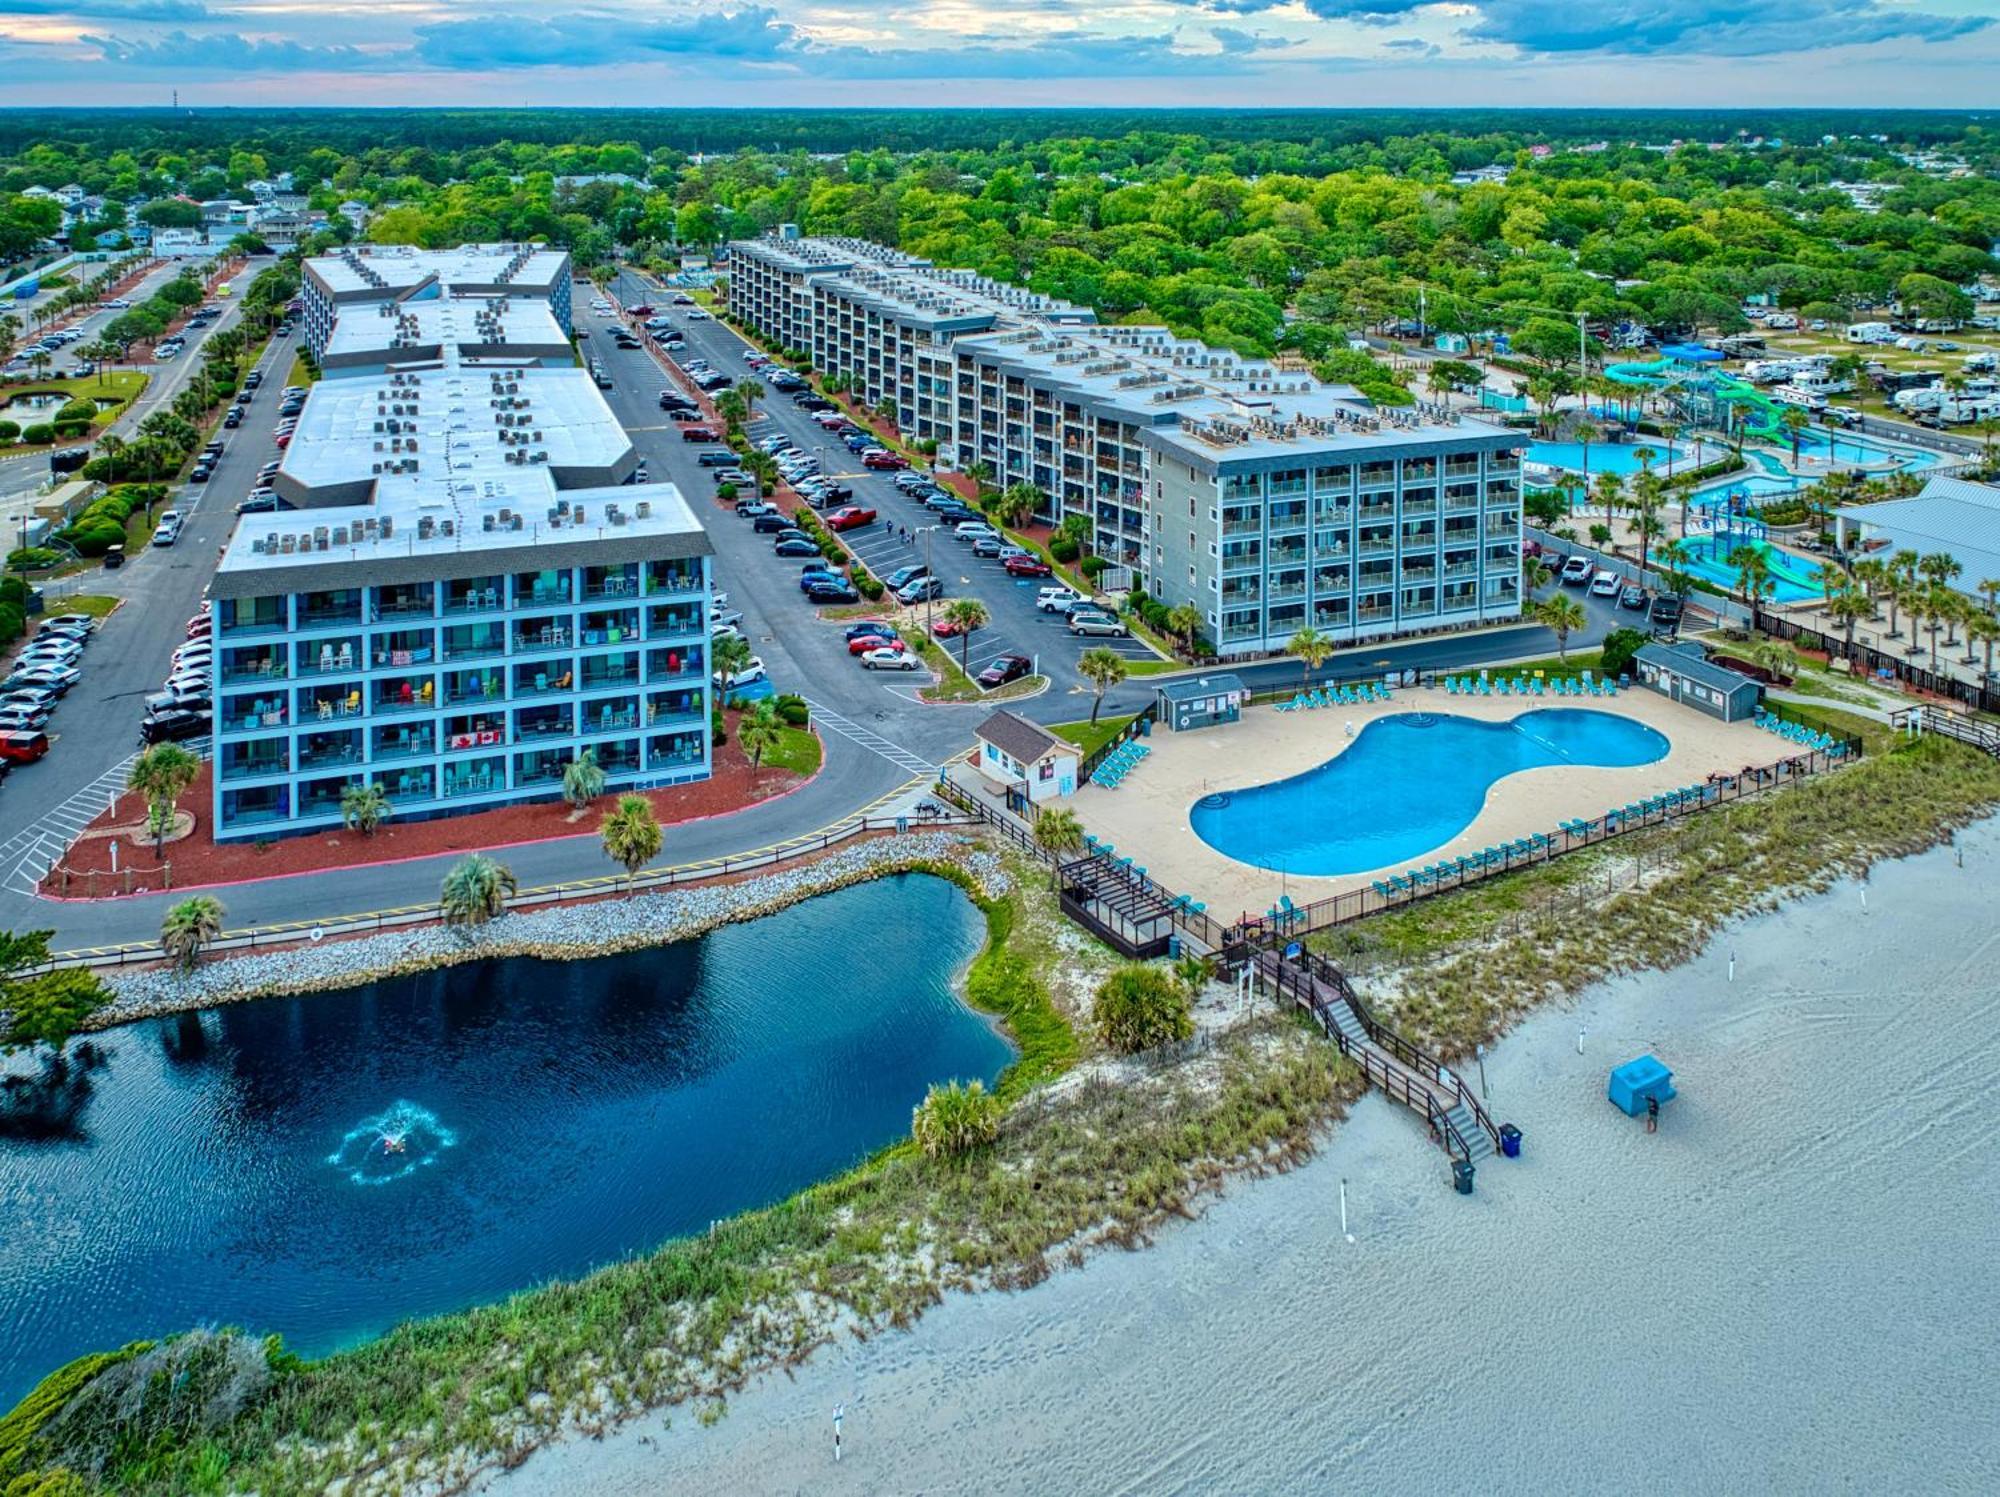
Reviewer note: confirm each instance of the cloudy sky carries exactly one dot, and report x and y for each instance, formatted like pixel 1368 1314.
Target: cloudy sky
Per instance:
pixel 1044 52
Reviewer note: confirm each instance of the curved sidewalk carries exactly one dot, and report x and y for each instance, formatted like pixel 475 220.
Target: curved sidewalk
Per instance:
pixel 853 781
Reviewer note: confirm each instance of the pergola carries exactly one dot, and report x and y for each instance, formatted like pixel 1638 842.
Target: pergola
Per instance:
pixel 1120 904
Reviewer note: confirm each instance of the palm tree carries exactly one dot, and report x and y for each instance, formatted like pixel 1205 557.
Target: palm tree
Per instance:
pixel 1983 629
pixel 1674 559
pixel 1103 669
pixel 1669 433
pixel 1753 576
pixel 1777 657
pixel 1989 589
pixel 1184 619
pixel 1536 574
pixel 730 407
pixel 631 835
pixel 161 774
pixel 1562 617
pixel 730 655
pixel 583 779
pixel 1648 496
pixel 1015 504
pixel 475 890
pixel 1848 607
pixel 1645 457
pixel 1057 832
pixel 966 615
pixel 1795 421
pixel 1610 493
pixel 189 926
pixel 363 808
pixel 750 391
pixel 1586 433
pixel 759 732
pixel 1310 648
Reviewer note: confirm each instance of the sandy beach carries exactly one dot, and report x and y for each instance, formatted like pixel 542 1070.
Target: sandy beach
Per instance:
pixel 1788 1289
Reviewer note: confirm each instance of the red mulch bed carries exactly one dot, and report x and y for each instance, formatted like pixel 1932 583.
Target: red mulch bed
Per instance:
pixel 197 860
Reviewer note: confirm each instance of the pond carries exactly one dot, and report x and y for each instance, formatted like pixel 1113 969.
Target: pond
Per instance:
pixel 327 1166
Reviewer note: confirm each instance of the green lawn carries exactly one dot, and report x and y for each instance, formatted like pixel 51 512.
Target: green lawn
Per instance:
pixel 797 750
pixel 122 384
pixel 301 373
pixel 93 604
pixel 1091 738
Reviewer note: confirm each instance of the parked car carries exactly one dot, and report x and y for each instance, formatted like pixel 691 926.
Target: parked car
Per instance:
pixel 830 591
pixel 56 678
pixel 1665 614
pixel 23 745
pixel 861 644
pixel 797 546
pixel 1006 668
pixel 1576 571
pixel 771 522
pixel 850 518
pixel 752 672
pixel 1633 597
pixel 1095 623
pixel 891 658
pixel 175 726
pixel 699 434
pixel 986 547
pixel 921 591
pixel 1606 585
pixel 883 460
pixel 972 530
pixel 949 629
pixel 177 701
pixel 1027 566
pixel 22 717
pixel 902 577
pixel 1058 598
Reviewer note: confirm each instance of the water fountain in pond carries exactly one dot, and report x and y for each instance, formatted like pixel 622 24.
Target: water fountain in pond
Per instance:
pixel 393 1145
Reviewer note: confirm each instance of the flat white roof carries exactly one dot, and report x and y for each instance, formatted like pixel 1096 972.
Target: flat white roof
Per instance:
pixel 391 269
pixel 456 320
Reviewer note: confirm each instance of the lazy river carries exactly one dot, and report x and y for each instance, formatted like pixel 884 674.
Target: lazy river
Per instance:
pixel 327 1166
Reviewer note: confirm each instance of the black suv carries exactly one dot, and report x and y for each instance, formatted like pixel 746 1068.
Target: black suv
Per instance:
pixel 1665 614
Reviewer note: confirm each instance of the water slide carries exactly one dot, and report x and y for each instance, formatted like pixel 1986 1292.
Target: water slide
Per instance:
pixel 1649 374
pixel 1761 412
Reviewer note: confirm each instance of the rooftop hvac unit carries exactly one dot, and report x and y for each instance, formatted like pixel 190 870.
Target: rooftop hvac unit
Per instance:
pixel 645 509
pixel 445 527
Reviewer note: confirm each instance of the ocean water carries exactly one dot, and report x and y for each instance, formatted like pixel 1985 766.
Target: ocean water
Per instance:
pixel 326 1166
pixel 1789 1289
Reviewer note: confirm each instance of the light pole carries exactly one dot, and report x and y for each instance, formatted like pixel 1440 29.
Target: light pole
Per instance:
pixel 930 577
pixel 1480 1051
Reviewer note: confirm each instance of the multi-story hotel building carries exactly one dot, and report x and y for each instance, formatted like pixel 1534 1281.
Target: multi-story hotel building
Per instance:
pixel 1263 496
pixel 467 592
pixel 365 276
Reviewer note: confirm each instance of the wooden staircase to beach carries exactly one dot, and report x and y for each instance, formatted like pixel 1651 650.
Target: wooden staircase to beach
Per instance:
pixel 1401 1070
pixel 1983 736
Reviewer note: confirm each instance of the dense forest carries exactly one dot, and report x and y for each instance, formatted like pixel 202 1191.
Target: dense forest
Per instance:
pixel 1259 230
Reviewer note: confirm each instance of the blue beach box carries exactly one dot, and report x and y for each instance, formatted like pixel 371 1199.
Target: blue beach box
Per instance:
pixel 1638 1080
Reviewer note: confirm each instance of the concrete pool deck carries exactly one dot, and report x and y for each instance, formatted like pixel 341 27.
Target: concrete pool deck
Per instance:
pixel 1147 817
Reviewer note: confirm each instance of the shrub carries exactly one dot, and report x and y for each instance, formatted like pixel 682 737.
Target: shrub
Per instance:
pixel 1140 1006
pixel 718 730
pixel 95 538
pixel 727 493
pixel 1620 645
pixel 76 410
pixel 33 559
pixel 9 430
pixel 869 587
pixel 12 621
pixel 1064 550
pixel 793 709
pixel 953 1120
pixel 1094 567
pixel 70 431
pixel 40 431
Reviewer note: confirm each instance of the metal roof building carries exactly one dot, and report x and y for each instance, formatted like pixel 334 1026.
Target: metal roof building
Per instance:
pixel 1954 515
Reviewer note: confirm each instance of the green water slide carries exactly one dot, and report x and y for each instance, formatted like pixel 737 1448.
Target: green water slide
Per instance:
pixel 1650 374
pixel 1760 412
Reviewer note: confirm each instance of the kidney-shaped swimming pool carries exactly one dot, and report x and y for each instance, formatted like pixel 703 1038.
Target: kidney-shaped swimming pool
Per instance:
pixel 1410 783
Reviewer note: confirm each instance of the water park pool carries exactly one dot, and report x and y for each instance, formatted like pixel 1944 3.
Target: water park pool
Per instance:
pixel 229 1166
pixel 1407 785
pixel 1793 578
pixel 1605 457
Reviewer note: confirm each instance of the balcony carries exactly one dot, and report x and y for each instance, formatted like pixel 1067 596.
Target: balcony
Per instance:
pixel 260 721
pixel 253 670
pixel 1375 613
pixel 262 621
pixel 256 768
pixel 1377 548
pixel 416 746
pixel 463 600
pixel 547 638
pixel 1378 511
pixel 341 756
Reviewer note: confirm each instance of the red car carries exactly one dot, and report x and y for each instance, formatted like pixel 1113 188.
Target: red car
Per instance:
pixel 644 309
pixel 946 628
pixel 883 460
pixel 861 644
pixel 1026 566
pixel 850 517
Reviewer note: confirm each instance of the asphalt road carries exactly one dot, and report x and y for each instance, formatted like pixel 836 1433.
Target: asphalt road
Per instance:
pixel 878 734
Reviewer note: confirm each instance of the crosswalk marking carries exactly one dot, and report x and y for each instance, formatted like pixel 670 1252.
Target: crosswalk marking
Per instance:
pixel 875 743
pixel 28 853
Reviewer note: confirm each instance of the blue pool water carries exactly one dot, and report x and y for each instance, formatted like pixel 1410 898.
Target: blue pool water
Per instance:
pixel 1407 786
pixel 1605 457
pixel 227 1167
pixel 1793 578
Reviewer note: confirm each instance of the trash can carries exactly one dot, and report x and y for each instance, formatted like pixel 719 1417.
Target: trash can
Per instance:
pixel 1145 727
pixel 1510 1140
pixel 1461 1176
pixel 1173 946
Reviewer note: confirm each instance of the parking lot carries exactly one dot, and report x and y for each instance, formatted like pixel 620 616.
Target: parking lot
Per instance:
pixel 1015 627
